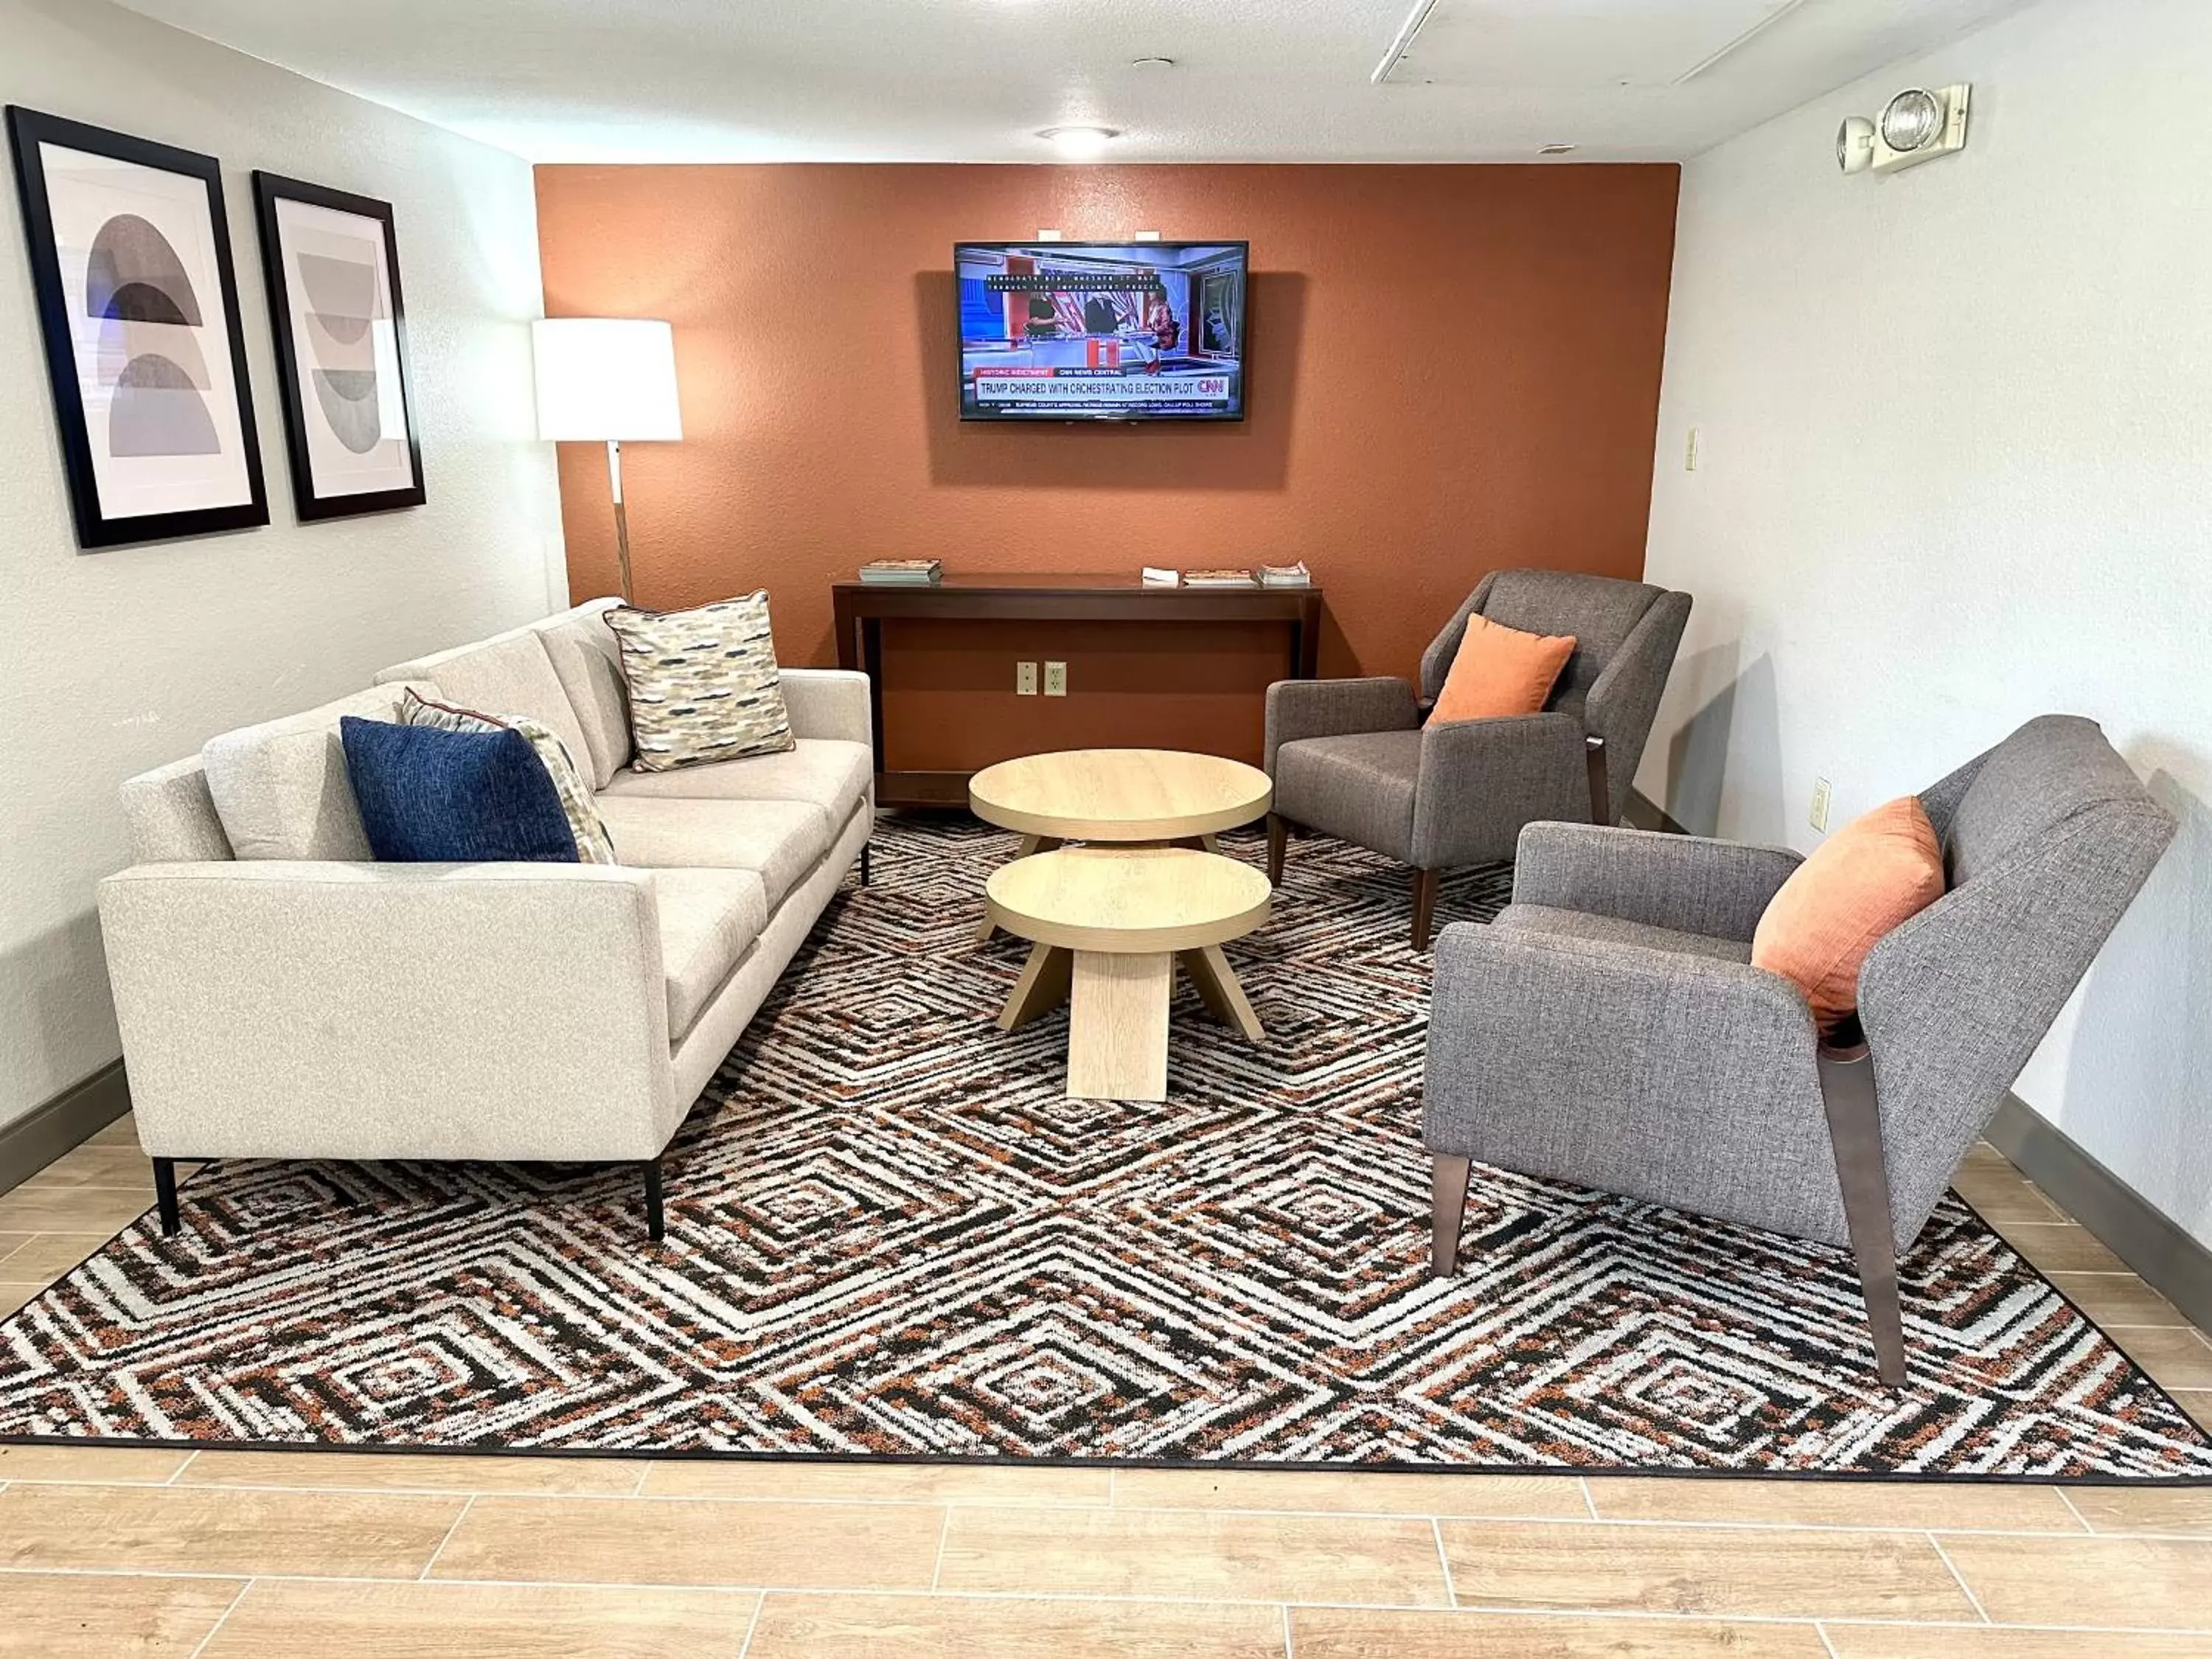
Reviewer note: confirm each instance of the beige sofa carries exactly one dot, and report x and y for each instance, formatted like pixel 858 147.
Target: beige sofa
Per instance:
pixel 281 995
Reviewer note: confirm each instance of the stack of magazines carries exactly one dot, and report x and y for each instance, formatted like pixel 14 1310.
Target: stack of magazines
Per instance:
pixel 902 573
pixel 1218 579
pixel 1285 575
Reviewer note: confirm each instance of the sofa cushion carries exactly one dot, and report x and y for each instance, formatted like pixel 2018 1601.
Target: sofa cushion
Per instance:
pixel 709 920
pixel 826 772
pixel 781 840
pixel 171 816
pixel 583 651
pixel 507 674
pixel 429 795
pixel 703 683
pixel 280 787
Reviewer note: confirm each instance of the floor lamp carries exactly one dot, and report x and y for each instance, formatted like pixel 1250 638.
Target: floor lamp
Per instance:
pixel 609 379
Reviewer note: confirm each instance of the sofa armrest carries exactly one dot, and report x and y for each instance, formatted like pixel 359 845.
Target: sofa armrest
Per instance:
pixel 1688 882
pixel 1297 709
pixel 284 1009
pixel 1480 780
pixel 828 702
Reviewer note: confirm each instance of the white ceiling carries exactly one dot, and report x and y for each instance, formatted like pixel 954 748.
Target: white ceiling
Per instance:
pixel 973 79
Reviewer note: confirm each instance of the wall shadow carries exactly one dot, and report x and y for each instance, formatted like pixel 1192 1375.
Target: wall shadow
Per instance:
pixel 58 980
pixel 1697 755
pixel 1253 453
pixel 1733 734
pixel 2140 1045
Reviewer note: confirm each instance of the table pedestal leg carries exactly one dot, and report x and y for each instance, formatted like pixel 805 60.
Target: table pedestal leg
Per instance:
pixel 1219 988
pixel 1040 987
pixel 1117 1027
pixel 1030 844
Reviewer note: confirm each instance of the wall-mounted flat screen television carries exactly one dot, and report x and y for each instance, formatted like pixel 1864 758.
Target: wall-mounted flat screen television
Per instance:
pixel 1101 331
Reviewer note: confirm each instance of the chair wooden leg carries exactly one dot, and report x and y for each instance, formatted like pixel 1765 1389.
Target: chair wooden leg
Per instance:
pixel 1447 1207
pixel 165 1194
pixel 655 1223
pixel 1424 907
pixel 1278 835
pixel 1601 791
pixel 1855 1132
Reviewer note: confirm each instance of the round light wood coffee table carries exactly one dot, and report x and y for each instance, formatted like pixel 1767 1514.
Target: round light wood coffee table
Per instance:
pixel 1117 795
pixel 1110 924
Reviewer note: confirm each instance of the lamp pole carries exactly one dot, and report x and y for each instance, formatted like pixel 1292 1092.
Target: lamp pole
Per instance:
pixel 622 515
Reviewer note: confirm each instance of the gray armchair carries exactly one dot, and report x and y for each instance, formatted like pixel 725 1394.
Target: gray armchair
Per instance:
pixel 1353 759
pixel 1609 1029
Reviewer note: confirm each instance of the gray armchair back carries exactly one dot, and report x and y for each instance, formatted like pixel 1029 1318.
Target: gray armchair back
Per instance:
pixel 1625 635
pixel 2046 839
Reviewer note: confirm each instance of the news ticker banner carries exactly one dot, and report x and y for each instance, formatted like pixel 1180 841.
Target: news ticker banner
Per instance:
pixel 1043 386
pixel 1073 281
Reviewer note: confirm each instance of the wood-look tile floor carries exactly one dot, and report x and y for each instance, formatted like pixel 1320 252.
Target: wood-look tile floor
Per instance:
pixel 239 1555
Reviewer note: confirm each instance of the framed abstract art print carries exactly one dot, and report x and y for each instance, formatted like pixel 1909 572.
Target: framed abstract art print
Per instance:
pixel 138 305
pixel 341 327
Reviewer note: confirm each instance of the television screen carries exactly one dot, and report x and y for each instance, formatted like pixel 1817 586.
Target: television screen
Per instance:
pixel 1101 331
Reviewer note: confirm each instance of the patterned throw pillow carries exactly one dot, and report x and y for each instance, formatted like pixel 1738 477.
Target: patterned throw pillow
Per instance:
pixel 593 844
pixel 703 683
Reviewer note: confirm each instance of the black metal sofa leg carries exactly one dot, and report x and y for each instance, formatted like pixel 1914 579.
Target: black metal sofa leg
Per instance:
pixel 864 849
pixel 1854 1131
pixel 165 1194
pixel 1448 1207
pixel 655 1225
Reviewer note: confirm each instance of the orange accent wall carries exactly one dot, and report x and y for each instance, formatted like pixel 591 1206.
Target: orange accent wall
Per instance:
pixel 1450 368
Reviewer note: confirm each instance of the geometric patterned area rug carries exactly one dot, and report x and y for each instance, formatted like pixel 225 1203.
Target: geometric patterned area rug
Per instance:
pixel 890 1235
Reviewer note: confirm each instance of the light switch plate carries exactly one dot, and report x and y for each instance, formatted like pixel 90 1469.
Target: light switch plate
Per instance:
pixel 1689 453
pixel 1025 679
pixel 1819 816
pixel 1055 680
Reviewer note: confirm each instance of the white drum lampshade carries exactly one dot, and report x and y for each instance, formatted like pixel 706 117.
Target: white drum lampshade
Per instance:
pixel 606 378
pixel 610 380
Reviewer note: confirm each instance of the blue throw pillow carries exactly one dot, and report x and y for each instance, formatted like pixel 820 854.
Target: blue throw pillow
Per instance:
pixel 434 797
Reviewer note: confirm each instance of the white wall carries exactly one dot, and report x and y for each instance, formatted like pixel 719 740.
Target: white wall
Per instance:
pixel 113 662
pixel 1956 469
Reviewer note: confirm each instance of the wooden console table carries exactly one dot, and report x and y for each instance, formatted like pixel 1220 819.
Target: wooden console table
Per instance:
pixel 861 609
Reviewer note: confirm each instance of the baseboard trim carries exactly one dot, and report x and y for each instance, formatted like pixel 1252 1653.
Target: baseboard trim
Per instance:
pixel 1642 812
pixel 2170 1260
pixel 64 1123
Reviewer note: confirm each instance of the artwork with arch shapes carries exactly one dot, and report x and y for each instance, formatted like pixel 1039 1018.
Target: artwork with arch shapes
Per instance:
pixel 139 306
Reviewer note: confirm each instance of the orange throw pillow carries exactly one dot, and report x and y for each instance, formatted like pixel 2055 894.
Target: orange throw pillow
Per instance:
pixel 1501 671
pixel 1874 873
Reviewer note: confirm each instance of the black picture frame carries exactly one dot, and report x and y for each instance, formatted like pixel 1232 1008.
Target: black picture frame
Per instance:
pixel 312 498
pixel 97 526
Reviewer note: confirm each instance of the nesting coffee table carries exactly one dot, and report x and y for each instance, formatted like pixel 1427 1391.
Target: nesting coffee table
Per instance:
pixel 1118 796
pixel 1110 921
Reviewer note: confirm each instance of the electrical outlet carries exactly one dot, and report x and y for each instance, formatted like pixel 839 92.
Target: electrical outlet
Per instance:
pixel 1689 453
pixel 1055 680
pixel 1819 816
pixel 1025 679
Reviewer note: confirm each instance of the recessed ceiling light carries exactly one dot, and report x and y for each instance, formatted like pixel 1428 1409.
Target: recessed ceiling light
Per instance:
pixel 1556 149
pixel 1152 62
pixel 1079 143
